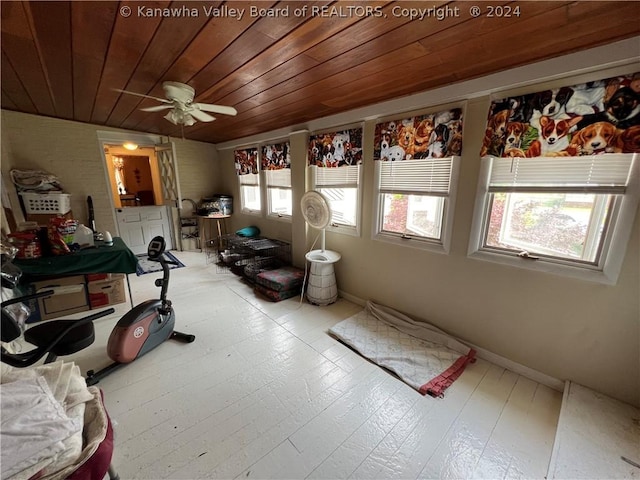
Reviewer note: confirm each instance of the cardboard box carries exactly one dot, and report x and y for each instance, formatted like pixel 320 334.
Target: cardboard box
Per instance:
pixel 43 219
pixel 107 292
pixel 97 277
pixel 69 296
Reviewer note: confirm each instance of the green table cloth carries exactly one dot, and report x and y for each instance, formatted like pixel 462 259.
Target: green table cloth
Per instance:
pixel 99 259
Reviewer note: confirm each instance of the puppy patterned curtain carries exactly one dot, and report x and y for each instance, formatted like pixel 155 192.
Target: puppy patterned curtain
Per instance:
pixel 336 149
pixel 587 119
pixel 276 156
pixel 246 161
pixel 435 135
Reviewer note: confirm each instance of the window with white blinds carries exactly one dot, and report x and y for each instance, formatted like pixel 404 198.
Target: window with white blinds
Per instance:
pixel 567 215
pixel 415 201
pixel 341 187
pixel 427 176
pixel 347 176
pixel 279 193
pixel 594 174
pixel 250 192
pixel 250 179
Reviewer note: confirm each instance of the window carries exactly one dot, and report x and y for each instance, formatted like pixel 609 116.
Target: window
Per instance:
pixel 279 198
pixel 415 200
pixel 276 164
pixel 335 163
pixel 558 186
pixel 250 192
pixel 417 162
pixel 558 211
pixel 341 187
pixel 246 163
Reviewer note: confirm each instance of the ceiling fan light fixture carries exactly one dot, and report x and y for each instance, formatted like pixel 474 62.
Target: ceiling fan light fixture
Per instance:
pixel 178 117
pixel 172 117
pixel 188 120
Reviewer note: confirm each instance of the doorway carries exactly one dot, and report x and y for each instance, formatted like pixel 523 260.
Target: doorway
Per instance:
pixel 136 189
pixel 134 176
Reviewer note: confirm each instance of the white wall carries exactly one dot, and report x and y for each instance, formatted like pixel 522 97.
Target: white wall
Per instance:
pixel 562 327
pixel 71 151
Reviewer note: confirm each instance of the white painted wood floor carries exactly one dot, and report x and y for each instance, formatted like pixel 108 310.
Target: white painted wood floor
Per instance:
pixel 264 392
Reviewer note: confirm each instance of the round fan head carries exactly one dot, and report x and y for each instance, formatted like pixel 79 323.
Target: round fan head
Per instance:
pixel 315 209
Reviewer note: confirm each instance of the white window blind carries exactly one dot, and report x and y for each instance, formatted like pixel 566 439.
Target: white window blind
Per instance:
pixel 278 178
pixel 337 177
pixel 425 176
pixel 594 173
pixel 250 179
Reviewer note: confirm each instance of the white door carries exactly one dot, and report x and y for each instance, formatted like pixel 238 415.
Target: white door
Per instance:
pixel 138 225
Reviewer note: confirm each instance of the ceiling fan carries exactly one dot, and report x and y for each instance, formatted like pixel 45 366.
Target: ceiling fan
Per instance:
pixel 184 111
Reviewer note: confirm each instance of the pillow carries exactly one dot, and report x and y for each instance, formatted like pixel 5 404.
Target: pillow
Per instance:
pixel 251 231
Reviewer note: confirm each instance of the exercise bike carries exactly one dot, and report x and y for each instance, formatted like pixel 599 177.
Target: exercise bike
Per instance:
pixel 146 325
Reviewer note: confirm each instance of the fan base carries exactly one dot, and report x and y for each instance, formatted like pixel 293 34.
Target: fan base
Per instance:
pixel 322 288
pixel 323 256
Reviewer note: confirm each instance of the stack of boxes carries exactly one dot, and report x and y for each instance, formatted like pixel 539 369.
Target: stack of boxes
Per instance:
pixel 74 294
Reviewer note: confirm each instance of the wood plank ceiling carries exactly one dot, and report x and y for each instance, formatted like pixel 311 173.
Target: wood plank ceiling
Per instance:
pixel 64 59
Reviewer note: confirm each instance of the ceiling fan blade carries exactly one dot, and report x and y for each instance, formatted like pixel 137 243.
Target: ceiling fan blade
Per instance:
pixel 200 115
pixel 157 108
pixel 222 109
pixel 163 100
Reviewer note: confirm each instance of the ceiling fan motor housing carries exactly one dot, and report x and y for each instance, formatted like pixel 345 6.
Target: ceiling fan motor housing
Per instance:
pixel 179 92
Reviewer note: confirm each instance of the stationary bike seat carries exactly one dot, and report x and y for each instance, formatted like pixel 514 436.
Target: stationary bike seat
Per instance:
pixel 75 340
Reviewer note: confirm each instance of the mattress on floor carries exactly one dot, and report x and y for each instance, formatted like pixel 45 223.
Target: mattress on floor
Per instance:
pixel 420 354
pixel 281 279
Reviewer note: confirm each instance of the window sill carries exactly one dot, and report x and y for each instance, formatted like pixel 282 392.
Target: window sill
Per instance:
pixel 421 244
pixel 279 218
pixel 344 230
pixel 255 213
pixel 545 266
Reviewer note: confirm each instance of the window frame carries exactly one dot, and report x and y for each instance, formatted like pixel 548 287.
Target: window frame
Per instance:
pixel 246 210
pixel 343 229
pixel 268 192
pixel 441 245
pixel 266 188
pixel 614 242
pixel 243 208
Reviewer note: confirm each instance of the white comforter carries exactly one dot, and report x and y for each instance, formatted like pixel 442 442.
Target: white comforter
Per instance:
pixel 43 412
pixel 422 355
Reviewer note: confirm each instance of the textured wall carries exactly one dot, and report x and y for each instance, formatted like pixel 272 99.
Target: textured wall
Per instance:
pixel 71 151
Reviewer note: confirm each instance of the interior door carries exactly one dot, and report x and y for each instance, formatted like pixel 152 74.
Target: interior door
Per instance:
pixel 138 225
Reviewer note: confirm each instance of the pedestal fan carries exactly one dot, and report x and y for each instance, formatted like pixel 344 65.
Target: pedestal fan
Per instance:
pixel 322 288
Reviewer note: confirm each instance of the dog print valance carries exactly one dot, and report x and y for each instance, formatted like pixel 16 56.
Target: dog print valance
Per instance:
pixel 246 161
pixel 588 119
pixel 276 156
pixel 336 149
pixel 435 135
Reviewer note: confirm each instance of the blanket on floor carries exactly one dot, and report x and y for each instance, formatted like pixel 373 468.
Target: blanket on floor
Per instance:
pixel 420 354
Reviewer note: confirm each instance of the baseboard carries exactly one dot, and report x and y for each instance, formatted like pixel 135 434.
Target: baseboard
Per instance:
pixel 556 441
pixel 352 298
pixel 485 354
pixel 518 368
